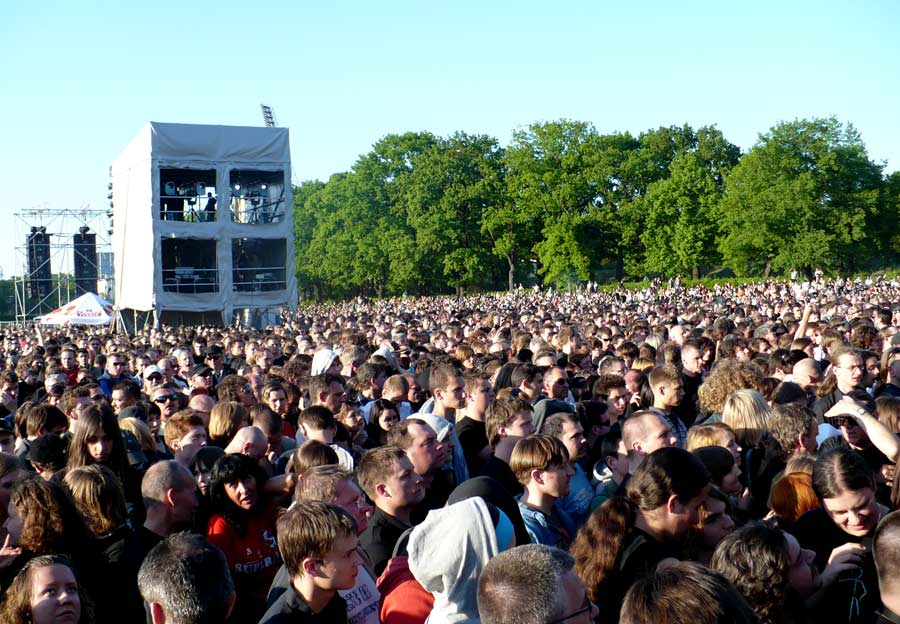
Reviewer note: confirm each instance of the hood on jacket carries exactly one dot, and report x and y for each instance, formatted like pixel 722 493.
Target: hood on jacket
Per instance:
pixel 447 553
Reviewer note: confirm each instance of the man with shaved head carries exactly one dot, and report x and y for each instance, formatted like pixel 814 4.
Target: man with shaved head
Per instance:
pixel 248 441
pixel 201 405
pixel 169 494
pixel 644 433
pixel 808 376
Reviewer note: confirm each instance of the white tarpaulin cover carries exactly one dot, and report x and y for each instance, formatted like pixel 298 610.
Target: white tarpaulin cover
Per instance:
pixel 88 309
pixel 138 228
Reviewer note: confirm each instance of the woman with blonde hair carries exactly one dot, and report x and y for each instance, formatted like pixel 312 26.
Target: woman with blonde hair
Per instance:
pixel 713 434
pixel 747 413
pixel 645 365
pixel 225 420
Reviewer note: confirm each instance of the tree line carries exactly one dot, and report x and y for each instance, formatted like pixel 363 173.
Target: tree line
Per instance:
pixel 425 214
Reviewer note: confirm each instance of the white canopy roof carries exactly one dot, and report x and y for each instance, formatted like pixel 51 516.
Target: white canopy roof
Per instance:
pixel 88 309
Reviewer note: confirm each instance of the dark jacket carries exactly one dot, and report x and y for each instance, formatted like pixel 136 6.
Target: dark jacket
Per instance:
pixel 291 608
pixel 380 537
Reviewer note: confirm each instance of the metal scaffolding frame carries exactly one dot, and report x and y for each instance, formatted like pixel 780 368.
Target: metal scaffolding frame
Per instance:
pixel 61 225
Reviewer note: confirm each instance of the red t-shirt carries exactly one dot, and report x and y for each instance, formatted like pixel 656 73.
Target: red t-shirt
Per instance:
pixel 253 559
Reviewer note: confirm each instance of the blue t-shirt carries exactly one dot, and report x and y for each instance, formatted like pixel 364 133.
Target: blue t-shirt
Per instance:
pixel 578 503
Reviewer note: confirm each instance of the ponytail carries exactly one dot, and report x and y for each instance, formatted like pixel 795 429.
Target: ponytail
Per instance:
pixel 599 542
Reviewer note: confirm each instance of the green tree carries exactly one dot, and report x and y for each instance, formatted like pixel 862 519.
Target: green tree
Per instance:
pixel 681 231
pixel 446 193
pixel 383 173
pixel 339 254
pixel 805 196
pixel 511 235
pixel 651 163
pixel 615 172
pixel 352 234
pixel 547 167
pixel 304 225
pixel 890 214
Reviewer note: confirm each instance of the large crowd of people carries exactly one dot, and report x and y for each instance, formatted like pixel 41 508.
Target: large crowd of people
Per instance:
pixel 664 455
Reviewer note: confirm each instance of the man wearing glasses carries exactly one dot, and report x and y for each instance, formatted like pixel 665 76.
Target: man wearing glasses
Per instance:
pixel 200 377
pixel 116 371
pixel 167 367
pixel 153 378
pixel 533 584
pixel 215 359
pixel 847 370
pixel 556 384
pixel 168 399
pixel 862 432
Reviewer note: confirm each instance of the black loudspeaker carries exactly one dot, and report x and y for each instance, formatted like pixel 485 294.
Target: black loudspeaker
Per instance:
pixel 39 277
pixel 85 262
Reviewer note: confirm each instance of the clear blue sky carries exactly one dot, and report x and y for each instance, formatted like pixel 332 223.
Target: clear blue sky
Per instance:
pixel 80 79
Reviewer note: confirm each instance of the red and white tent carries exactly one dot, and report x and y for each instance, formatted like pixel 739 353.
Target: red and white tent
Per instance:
pixel 88 309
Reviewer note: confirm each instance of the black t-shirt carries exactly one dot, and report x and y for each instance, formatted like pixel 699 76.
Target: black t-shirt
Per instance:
pixel 500 470
pixel 761 486
pixel 380 537
pixel 25 391
pixel 141 543
pixel 290 607
pixel 854 597
pixel 825 403
pixel 472 436
pixel 122 602
pixel 687 409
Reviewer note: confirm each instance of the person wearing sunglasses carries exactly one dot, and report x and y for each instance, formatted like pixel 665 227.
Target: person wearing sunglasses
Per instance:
pixel 215 359
pixel 154 377
pixel 862 432
pixel 168 399
pixel 200 377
